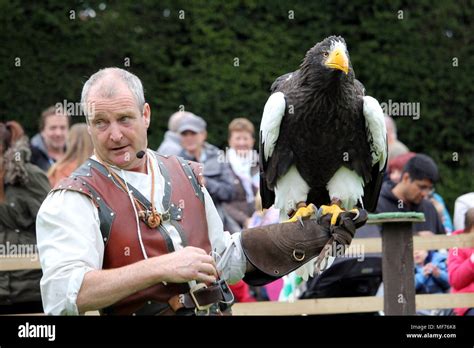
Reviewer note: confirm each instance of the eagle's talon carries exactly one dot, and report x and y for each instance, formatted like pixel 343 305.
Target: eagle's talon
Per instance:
pixel 300 221
pixel 333 209
pixel 303 212
pixel 356 211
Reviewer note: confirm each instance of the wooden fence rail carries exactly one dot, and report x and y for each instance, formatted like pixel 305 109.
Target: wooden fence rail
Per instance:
pixel 341 305
pixel 396 246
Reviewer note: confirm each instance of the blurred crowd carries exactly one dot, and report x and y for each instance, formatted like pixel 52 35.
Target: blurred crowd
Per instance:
pixel 29 169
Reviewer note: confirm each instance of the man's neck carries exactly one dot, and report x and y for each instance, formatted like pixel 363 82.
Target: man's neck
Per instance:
pixel 196 154
pixel 55 153
pixel 142 167
pixel 398 193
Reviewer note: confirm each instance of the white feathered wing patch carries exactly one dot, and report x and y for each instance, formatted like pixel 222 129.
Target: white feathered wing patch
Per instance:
pixel 273 113
pixel 376 130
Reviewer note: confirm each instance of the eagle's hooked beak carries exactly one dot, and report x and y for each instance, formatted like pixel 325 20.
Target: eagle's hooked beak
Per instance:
pixel 338 60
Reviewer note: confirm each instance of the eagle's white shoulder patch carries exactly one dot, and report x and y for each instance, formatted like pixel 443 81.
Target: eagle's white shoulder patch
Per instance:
pixel 376 131
pixel 271 120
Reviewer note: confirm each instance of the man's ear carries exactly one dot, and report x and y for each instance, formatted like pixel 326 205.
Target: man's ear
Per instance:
pixel 405 177
pixel 147 114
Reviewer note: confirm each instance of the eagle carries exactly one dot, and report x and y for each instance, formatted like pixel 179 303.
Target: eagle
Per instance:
pixel 322 140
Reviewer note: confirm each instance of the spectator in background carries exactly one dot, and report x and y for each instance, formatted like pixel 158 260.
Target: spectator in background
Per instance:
pixel 440 206
pixel 171 144
pixel 431 276
pixel 461 205
pixel 395 168
pixel 395 146
pixel 243 161
pixel 263 217
pixel 217 173
pixel 244 166
pixel 396 164
pixel 23 187
pixel 461 265
pixel 79 149
pixel 409 194
pixel 49 145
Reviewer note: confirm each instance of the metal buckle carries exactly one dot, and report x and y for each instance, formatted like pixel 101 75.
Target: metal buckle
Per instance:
pixel 198 306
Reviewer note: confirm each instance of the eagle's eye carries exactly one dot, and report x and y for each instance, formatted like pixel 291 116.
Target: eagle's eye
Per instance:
pixel 325 54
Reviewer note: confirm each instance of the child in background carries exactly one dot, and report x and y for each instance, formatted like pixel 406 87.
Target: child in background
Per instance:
pixel 431 276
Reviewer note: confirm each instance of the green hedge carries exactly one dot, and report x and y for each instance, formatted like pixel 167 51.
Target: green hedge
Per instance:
pixel 191 61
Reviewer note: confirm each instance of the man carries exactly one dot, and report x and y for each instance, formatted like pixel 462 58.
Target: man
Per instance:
pixel 409 194
pixel 216 171
pixel 171 144
pixel 49 145
pixel 133 232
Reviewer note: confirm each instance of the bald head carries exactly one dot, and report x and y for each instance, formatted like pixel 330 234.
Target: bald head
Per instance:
pixel 108 82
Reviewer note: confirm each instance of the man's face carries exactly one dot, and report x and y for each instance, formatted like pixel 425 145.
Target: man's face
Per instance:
pixel 192 141
pixel 416 190
pixel 118 129
pixel 241 141
pixel 55 132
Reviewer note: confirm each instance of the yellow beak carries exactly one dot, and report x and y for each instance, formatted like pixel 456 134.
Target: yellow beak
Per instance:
pixel 338 60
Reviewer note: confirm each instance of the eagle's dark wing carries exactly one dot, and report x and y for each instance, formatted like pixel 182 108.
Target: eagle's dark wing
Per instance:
pixel 277 84
pixel 377 138
pixel 359 87
pixel 269 131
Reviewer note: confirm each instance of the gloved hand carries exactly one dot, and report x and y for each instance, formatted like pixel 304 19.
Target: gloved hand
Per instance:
pixel 346 226
pixel 341 237
pixel 276 250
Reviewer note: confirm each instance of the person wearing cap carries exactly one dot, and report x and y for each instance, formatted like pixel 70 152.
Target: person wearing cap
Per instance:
pixel 217 173
pixel 171 144
pixel 132 232
pixel 419 175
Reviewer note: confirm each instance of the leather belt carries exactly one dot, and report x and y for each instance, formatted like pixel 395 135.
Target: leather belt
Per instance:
pixel 202 297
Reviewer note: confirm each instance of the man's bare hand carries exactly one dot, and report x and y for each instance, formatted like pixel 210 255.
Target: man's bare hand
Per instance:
pixel 185 265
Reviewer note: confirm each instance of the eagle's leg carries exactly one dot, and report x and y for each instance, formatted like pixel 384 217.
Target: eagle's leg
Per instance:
pixel 335 209
pixel 303 212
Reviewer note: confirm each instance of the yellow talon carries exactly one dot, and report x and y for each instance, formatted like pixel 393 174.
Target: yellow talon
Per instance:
pixel 302 212
pixel 355 210
pixel 333 209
